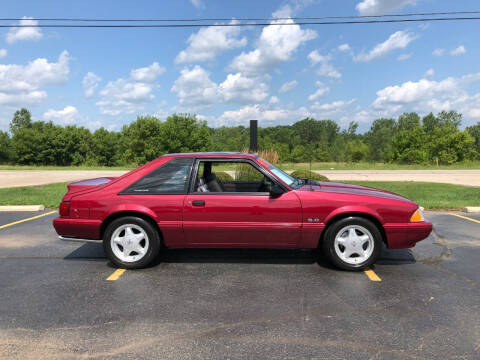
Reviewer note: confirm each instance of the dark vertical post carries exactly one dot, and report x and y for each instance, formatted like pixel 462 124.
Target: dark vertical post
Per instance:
pixel 253 135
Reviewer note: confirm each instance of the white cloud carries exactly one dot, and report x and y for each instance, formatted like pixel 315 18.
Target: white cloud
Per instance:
pixel 429 74
pixel 315 57
pixel 430 95
pixel 210 42
pixel 344 47
pixel 291 8
pixel 68 115
pixel 273 100
pixel 322 90
pixel 270 114
pixel 332 107
pixel 276 45
pixel 90 83
pixel 403 57
pixel 24 33
pixel 326 68
pixel 458 51
pixel 198 4
pixel 240 89
pixel 264 115
pixel 3 53
pixel 381 7
pixel 129 95
pixel 398 40
pixel 147 74
pixel 23 84
pixel 339 110
pixel 288 86
pixel 194 88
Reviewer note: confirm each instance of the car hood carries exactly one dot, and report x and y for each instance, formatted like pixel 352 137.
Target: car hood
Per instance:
pixel 341 188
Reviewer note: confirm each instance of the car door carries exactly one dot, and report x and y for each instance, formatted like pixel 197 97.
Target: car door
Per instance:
pixel 243 218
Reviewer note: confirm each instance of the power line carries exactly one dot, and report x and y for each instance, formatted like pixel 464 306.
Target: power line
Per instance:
pixel 240 24
pixel 247 19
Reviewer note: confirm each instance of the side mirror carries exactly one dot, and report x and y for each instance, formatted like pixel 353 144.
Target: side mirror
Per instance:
pixel 276 190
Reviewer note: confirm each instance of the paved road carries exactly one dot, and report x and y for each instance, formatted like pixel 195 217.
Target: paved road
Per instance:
pixel 11 178
pixel 238 304
pixel 460 177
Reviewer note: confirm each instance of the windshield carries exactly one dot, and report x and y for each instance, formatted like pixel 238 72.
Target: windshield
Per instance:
pixel 282 175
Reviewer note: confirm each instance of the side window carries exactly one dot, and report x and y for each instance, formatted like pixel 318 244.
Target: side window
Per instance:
pixel 170 178
pixel 230 176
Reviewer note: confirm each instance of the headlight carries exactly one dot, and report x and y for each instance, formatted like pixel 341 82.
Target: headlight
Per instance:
pixel 417 216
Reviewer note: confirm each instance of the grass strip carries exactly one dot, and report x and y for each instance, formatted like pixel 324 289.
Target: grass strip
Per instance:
pixel 433 196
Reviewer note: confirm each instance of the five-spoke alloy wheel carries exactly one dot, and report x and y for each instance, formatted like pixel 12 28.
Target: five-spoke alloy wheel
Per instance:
pixel 352 243
pixel 131 242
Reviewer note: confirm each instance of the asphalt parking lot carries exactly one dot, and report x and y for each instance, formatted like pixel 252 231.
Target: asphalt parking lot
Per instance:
pixel 56 301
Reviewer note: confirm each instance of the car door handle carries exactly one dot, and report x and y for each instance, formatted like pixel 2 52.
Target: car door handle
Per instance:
pixel 198 203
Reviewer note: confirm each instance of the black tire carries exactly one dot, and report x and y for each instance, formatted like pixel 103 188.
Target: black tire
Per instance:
pixel 339 226
pixel 152 251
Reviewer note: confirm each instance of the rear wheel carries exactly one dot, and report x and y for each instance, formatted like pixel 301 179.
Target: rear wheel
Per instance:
pixel 352 243
pixel 131 242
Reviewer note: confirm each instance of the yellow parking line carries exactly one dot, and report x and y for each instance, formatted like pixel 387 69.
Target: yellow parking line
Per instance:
pixel 466 218
pixel 372 275
pixel 28 219
pixel 116 274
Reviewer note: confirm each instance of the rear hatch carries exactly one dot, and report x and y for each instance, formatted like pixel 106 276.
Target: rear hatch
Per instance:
pixel 78 187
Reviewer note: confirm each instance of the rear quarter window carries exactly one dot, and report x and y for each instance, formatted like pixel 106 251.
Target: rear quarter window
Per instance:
pixel 170 178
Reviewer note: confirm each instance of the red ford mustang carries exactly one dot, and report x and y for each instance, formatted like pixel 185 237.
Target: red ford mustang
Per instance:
pixel 215 200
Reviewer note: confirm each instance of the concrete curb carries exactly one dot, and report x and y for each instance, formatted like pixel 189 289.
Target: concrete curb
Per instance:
pixel 22 208
pixel 472 209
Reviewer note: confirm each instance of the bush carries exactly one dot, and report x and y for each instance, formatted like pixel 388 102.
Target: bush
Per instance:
pixel 223 176
pixel 307 174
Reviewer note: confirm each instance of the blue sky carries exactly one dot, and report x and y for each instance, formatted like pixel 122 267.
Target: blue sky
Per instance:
pixel 228 75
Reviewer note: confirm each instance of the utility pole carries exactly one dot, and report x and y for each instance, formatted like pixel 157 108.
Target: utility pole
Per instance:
pixel 253 135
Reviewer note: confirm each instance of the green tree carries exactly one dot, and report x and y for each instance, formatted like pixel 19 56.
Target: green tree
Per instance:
pixel 408 121
pixel 474 131
pixel 379 139
pixel 184 133
pixel 322 153
pixel 142 140
pixel 105 150
pixel 408 146
pixel 356 150
pixel 299 154
pixel 230 138
pixel 5 148
pixel 21 119
pixel 283 151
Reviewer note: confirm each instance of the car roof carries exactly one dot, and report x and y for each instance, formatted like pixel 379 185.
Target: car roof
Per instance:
pixel 213 154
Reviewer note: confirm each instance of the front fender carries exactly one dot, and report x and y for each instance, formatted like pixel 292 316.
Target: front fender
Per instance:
pixel 354 209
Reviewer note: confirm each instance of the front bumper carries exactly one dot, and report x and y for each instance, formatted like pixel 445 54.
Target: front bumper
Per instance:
pixel 406 235
pixel 78 228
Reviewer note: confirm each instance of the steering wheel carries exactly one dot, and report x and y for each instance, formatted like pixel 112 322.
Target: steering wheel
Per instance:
pixel 265 186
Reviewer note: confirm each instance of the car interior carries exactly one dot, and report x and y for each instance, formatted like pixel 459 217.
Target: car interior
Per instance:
pixel 215 176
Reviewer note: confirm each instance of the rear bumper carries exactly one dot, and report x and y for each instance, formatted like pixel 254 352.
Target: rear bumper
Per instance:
pixel 406 235
pixel 78 228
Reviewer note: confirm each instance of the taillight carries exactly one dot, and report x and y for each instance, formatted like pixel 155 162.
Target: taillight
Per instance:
pixel 64 208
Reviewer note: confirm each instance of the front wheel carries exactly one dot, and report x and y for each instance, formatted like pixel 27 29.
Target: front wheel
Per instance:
pixel 353 243
pixel 131 242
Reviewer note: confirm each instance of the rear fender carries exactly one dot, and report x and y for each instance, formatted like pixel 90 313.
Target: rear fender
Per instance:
pixel 132 208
